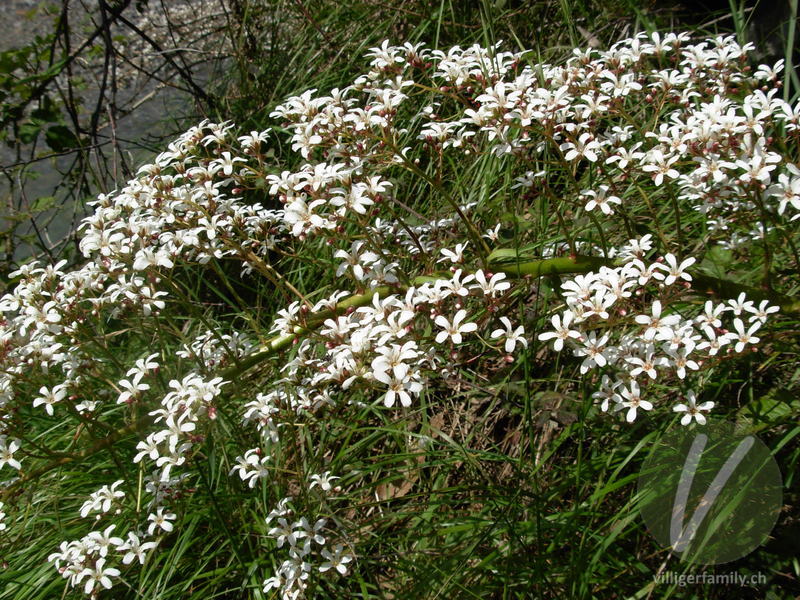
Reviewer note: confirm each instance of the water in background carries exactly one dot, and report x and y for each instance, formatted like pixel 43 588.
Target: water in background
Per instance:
pixel 140 134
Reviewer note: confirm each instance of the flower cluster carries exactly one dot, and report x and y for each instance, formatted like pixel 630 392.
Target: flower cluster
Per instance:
pixel 307 542
pixel 710 140
pixel 383 345
pixel 616 322
pixel 175 213
pixel 87 562
pixel 215 350
pixel 627 140
pixel 90 558
pixel 102 500
pixel 190 401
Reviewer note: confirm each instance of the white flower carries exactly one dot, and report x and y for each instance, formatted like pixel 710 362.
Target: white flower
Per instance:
pixel 759 166
pixel 284 532
pixel 680 361
pixel 692 409
pixel 624 156
pixel 632 400
pixel 513 336
pixel 226 164
pixel 601 199
pixel 312 532
pixel 562 331
pixel 709 319
pixel 131 389
pixel 598 304
pixel 146 258
pixel 102 541
pixel 493 234
pixel 584 147
pixel 594 350
pixel 336 560
pixel 7 450
pixel 456 285
pixel 48 398
pixel 456 255
pixel 674 270
pixel 643 273
pixel 160 520
pixel 355 260
pixel 713 344
pixel 143 366
pixel 661 166
pixel 761 311
pixel 102 499
pixel 98 574
pixel 134 549
pixel 741 304
pixel 492 286
pixel 647 364
pixel 637 248
pixel 455 329
pixel 148 447
pixel 252 467
pixel 393 358
pixel 252 140
pixel 402 383
pixel 324 481
pixel 607 392
pixel 743 337
pixel 656 323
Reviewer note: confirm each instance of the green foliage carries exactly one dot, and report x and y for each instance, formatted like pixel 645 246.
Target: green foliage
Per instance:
pixel 512 486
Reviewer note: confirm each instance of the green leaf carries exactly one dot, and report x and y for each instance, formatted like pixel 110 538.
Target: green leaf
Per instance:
pixel 717 261
pixel 47 112
pixel 29 131
pixel 8 61
pixel 42 204
pixel 510 255
pixel 60 138
pixel 775 407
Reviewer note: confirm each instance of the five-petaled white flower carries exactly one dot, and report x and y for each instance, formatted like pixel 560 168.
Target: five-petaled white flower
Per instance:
pixel 743 336
pixel 454 329
pixel 656 324
pixel 160 520
pixel 595 351
pixel 337 559
pixel 601 199
pixel 562 331
pixel 513 336
pixel 323 480
pixel 456 255
pixel 98 574
pixel 134 549
pixel 632 400
pixel 674 271
pixel 7 450
pixel 48 397
pixel 692 409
